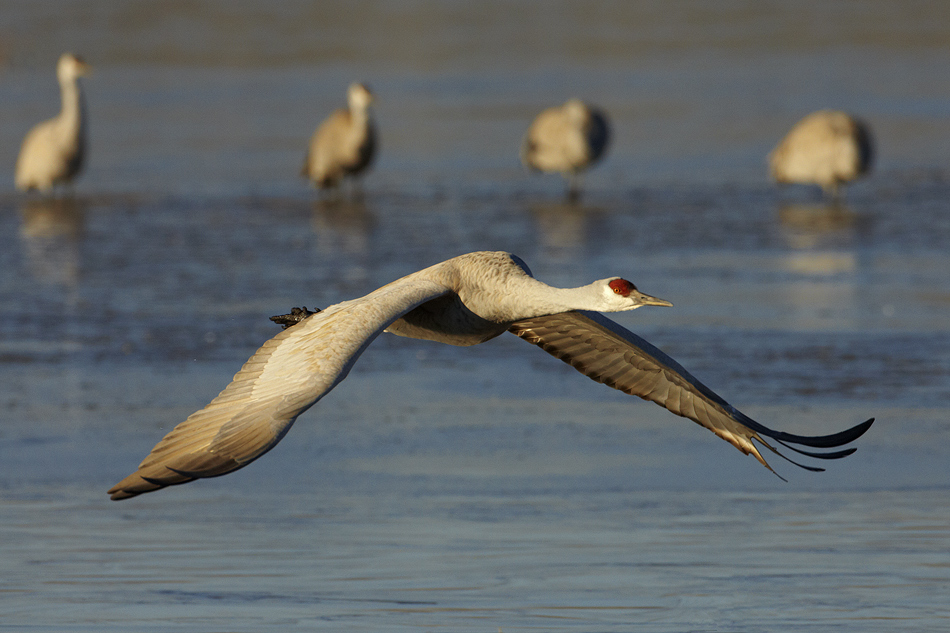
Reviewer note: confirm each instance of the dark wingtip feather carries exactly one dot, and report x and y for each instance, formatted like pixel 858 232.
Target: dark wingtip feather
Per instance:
pixel 832 455
pixel 823 441
pixel 814 469
pixel 818 441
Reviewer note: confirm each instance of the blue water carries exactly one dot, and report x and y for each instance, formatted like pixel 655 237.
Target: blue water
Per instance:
pixel 487 488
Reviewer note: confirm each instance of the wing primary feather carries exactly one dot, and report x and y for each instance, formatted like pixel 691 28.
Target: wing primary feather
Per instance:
pixel 814 469
pixel 592 343
pixel 832 455
pixel 818 441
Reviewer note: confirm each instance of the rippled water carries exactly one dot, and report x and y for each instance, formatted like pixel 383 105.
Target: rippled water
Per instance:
pixel 489 488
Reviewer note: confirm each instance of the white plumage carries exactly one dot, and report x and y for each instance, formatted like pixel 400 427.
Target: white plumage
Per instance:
pixel 827 148
pixel 53 151
pixel 462 301
pixel 345 143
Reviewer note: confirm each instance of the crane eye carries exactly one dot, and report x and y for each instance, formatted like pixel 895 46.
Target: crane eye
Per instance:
pixel 622 287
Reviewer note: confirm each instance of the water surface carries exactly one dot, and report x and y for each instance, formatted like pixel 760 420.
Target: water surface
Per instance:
pixel 490 488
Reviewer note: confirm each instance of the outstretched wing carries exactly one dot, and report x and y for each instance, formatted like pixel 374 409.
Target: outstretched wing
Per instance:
pixel 284 378
pixel 610 354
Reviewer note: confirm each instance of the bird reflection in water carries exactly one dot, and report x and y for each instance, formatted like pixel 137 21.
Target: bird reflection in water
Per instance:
pixel 51 231
pixel 561 229
pixel 824 264
pixel 807 225
pixel 343 227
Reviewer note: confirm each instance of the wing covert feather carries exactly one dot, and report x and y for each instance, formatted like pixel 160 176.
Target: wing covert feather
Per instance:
pixel 285 377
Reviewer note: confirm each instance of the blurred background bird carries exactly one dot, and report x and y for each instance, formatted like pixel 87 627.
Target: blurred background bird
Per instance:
pixel 827 148
pixel 345 143
pixel 567 139
pixel 53 151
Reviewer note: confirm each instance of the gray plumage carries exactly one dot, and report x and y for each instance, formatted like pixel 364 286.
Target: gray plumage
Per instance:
pixel 567 139
pixel 345 143
pixel 53 151
pixel 462 301
pixel 828 148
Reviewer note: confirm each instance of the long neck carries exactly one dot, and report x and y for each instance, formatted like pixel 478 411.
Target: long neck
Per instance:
pixel 359 116
pixel 523 297
pixel 73 113
pixel 499 288
pixel 542 299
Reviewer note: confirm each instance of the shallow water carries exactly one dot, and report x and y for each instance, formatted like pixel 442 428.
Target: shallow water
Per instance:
pixel 489 488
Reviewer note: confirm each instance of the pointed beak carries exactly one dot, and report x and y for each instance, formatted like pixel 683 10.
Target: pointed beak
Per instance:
pixel 647 300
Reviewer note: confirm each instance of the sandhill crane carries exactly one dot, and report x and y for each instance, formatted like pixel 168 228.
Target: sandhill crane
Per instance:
pixel 567 139
pixel 344 144
pixel 462 301
pixel 827 148
pixel 53 151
